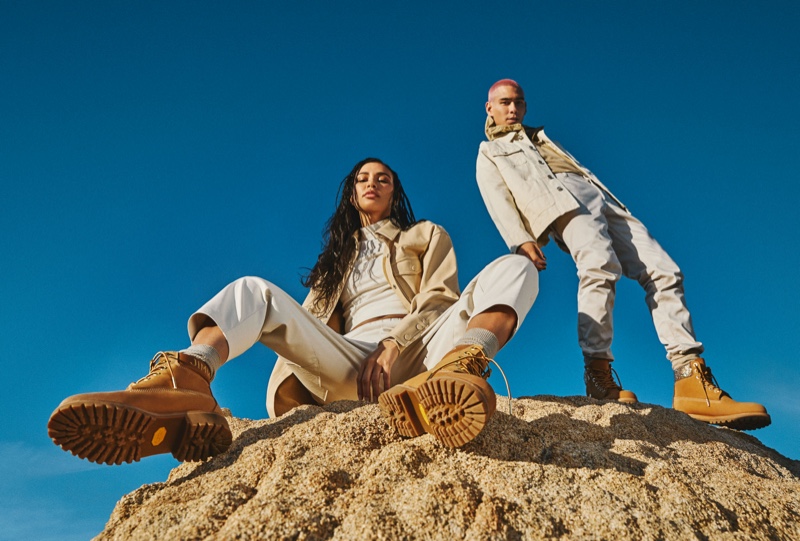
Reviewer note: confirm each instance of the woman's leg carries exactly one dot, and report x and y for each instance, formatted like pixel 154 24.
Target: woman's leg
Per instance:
pixel 252 310
pixel 172 409
pixel 498 299
pixel 452 400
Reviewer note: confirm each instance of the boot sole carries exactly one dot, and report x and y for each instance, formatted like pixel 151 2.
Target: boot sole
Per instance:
pixel 628 398
pixel 109 433
pixel 454 410
pixel 622 400
pixel 742 421
pixel 400 408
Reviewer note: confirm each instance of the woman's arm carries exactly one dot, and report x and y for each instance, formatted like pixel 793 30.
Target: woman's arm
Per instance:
pixel 437 291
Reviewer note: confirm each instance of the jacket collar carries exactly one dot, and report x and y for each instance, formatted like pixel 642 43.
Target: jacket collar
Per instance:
pixel 493 131
pixel 386 228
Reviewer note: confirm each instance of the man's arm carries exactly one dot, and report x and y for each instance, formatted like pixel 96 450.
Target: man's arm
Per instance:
pixel 501 204
pixel 533 251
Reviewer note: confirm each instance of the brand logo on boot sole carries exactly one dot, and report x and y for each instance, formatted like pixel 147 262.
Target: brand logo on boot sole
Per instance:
pixel 159 436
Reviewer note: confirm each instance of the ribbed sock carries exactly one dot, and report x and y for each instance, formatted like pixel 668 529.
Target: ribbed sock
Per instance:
pixel 481 337
pixel 205 353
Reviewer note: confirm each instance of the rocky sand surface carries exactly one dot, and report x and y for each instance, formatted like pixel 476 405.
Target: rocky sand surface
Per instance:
pixel 558 468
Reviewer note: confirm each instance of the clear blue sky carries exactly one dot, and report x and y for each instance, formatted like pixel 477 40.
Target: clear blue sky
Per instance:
pixel 151 152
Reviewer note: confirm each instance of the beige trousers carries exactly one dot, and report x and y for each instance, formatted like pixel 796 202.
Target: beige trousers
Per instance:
pixel 605 242
pixel 251 310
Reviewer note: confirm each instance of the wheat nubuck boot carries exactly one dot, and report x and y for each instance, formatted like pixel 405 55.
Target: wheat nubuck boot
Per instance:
pixel 698 395
pixel 170 410
pixel 599 378
pixel 452 401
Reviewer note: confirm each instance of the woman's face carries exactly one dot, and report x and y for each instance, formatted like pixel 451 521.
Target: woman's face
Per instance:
pixel 373 192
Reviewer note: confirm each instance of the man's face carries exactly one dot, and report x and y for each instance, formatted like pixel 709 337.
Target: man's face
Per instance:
pixel 506 105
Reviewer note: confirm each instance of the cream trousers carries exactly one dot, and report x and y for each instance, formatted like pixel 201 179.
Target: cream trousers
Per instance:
pixel 251 310
pixel 605 242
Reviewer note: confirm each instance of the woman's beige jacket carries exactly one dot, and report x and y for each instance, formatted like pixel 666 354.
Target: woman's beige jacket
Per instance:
pixel 420 265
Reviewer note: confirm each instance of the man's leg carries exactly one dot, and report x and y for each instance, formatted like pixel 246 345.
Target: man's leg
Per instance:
pixel 696 391
pixel 643 259
pixel 584 232
pixel 452 400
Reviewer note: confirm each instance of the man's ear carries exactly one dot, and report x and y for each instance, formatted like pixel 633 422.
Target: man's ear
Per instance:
pixel 489 108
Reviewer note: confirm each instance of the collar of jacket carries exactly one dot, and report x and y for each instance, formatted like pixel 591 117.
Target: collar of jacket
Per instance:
pixel 493 131
pixel 386 229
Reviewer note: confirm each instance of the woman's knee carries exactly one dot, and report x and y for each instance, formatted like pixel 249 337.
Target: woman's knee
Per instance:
pixel 511 280
pixel 518 264
pixel 251 283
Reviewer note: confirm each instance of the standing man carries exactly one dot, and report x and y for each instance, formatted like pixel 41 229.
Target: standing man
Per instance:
pixel 533 189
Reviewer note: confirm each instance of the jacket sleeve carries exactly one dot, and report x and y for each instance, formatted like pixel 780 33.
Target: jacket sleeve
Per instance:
pixel 438 288
pixel 500 202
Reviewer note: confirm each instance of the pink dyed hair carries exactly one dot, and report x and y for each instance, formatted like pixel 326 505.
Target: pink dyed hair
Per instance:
pixel 504 82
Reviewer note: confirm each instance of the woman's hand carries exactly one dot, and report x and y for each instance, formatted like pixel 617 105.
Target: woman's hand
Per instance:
pixel 376 371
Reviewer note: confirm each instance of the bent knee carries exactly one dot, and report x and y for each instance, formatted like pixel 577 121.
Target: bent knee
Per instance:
pixel 252 284
pixel 516 262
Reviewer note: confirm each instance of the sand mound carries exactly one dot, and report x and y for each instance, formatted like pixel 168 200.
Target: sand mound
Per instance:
pixel 559 467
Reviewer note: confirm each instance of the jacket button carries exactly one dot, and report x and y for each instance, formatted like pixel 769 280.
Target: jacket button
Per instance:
pixel 541 162
pixel 550 176
pixel 560 189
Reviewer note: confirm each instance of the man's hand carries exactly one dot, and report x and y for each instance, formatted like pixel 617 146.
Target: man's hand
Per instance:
pixel 532 251
pixel 375 373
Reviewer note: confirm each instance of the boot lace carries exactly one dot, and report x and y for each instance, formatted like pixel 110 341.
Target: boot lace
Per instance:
pixel 477 365
pixel 604 379
pixel 158 364
pixel 708 381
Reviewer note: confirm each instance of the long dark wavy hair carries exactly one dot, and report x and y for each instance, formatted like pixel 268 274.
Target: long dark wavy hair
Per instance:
pixel 327 275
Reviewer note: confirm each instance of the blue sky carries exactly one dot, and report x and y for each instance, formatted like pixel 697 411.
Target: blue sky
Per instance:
pixel 152 152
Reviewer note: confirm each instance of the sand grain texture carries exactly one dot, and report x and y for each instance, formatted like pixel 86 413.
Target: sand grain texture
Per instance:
pixel 560 468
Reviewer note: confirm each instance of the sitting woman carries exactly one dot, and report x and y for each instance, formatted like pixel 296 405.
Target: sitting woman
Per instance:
pixel 384 322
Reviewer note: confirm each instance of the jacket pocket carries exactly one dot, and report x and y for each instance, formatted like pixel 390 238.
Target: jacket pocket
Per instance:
pixel 409 265
pixel 409 271
pixel 509 156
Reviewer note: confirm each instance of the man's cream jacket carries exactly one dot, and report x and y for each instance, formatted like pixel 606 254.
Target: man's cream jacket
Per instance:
pixel 523 196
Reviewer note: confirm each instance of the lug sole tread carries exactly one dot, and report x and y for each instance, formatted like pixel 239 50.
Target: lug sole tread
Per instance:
pixel 108 433
pixel 739 421
pixel 455 410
